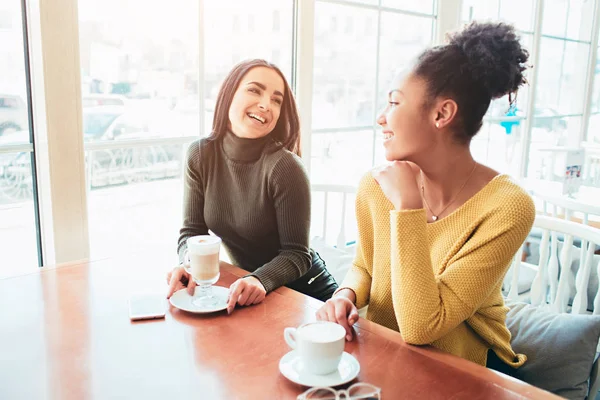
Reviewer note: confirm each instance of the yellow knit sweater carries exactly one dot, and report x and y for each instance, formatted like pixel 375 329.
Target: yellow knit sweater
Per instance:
pixel 440 283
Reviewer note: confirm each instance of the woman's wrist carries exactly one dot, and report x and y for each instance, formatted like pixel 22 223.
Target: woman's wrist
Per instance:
pixel 346 293
pixel 255 278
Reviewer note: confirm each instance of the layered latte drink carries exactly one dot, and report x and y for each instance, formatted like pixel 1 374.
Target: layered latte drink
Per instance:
pixel 203 252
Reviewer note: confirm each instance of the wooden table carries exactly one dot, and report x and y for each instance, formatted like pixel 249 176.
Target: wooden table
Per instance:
pixel 65 334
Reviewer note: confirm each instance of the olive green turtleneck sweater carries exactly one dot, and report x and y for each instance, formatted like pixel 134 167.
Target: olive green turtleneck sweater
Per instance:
pixel 256 197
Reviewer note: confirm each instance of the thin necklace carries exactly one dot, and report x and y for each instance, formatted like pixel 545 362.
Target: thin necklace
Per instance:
pixel 435 216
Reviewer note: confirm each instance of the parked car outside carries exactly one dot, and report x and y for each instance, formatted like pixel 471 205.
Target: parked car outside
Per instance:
pixel 13 114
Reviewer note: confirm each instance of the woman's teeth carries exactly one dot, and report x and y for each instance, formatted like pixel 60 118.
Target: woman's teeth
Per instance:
pixel 387 136
pixel 257 117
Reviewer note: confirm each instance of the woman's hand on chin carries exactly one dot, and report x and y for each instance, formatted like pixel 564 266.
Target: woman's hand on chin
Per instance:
pixel 398 183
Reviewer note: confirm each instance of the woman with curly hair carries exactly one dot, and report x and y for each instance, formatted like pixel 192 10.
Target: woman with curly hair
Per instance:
pixel 438 230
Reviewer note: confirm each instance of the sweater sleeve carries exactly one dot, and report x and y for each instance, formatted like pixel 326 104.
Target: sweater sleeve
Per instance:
pixel 193 200
pixel 359 276
pixel 290 191
pixel 428 307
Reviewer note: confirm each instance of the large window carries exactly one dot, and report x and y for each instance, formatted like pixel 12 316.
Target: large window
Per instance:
pixel 498 143
pixel 357 51
pixel 593 132
pixel 263 29
pixel 18 225
pixel 139 84
pixel 144 100
pixel 150 75
pixel 561 86
pixel 591 170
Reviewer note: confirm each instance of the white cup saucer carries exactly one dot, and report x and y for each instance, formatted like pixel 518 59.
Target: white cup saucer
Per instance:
pixel 182 300
pixel 291 367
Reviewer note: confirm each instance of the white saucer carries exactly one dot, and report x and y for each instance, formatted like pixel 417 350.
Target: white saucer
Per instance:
pixel 291 367
pixel 182 300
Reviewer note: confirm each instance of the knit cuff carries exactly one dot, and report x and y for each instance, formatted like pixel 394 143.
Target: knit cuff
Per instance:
pixel 343 288
pixel 268 282
pixel 359 282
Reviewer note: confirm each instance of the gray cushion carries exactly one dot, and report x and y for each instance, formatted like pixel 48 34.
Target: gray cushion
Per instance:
pixel 560 348
pixel 526 277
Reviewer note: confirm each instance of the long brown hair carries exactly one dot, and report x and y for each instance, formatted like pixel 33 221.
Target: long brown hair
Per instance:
pixel 287 129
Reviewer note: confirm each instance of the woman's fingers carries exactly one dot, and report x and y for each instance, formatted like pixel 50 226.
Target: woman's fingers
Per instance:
pixel 341 317
pixel 175 280
pixel 178 287
pixel 235 290
pixel 191 287
pixel 340 311
pixel 330 311
pixel 253 298
pixel 261 297
pixel 245 296
pixel 258 298
pixel 353 317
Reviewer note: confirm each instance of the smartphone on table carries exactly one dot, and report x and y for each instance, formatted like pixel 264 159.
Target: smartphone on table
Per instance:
pixel 147 306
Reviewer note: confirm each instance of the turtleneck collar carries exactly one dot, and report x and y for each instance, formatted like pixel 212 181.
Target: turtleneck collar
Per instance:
pixel 243 149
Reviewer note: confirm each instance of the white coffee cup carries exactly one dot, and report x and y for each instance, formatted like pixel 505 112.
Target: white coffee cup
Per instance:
pixel 320 345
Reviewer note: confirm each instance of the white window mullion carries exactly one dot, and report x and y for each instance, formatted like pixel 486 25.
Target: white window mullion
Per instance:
pixel 448 18
pixel 303 82
pixel 590 75
pixel 377 85
pixel 532 79
pixel 38 107
pixel 201 58
pixel 58 129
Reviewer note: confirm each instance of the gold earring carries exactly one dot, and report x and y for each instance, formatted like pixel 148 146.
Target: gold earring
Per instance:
pixel 437 124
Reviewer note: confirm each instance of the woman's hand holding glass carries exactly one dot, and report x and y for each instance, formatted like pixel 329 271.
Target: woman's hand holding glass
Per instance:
pixel 245 291
pixel 179 278
pixel 340 309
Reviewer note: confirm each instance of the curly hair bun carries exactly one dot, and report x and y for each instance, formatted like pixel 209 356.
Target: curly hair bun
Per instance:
pixel 495 57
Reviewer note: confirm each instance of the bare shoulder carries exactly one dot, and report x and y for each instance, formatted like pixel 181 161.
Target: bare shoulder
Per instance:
pixel 483 176
pixel 488 175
